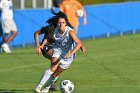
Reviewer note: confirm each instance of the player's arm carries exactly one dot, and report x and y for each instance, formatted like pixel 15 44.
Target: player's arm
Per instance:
pixel 76 40
pixel 36 38
pixel 80 6
pixel 85 18
pixel 43 43
pixel 83 49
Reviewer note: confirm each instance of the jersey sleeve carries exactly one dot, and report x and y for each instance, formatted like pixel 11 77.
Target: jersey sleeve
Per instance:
pixel 44 29
pixel 48 32
pixel 49 38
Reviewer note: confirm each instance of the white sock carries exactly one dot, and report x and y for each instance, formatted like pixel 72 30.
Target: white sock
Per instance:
pixel 45 77
pixel 51 80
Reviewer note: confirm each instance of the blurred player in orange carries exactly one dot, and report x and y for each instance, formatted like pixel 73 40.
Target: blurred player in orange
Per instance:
pixel 70 8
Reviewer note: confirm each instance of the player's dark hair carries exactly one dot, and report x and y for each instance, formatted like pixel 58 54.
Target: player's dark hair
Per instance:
pixel 52 24
pixel 53 20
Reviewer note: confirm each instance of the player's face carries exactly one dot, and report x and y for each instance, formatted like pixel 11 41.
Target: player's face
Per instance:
pixel 61 24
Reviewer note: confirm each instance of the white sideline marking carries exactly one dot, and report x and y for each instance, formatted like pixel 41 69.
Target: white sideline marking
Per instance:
pixel 10 69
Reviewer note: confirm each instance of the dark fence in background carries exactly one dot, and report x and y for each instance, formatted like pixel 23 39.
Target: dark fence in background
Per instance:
pixel 103 21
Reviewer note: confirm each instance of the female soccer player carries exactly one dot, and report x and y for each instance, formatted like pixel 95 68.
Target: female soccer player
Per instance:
pixel 48 37
pixel 46 49
pixel 63 51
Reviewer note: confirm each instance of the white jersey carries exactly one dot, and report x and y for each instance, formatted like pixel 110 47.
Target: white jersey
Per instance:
pixel 63 45
pixel 7 9
pixel 63 42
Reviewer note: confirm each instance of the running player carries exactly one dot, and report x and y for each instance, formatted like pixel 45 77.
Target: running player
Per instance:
pixel 8 24
pixel 63 51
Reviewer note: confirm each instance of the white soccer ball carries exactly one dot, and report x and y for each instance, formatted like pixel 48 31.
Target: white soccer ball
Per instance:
pixel 80 13
pixel 66 86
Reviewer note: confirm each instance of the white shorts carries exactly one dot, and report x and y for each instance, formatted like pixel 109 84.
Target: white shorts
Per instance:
pixel 65 66
pixel 8 25
pixel 64 62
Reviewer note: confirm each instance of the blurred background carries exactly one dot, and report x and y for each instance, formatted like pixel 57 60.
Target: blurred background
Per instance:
pixel 21 4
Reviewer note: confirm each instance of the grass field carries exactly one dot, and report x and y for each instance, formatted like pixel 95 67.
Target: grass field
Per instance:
pixel 110 65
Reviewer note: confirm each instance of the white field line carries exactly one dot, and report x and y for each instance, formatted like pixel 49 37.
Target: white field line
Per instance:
pixel 21 67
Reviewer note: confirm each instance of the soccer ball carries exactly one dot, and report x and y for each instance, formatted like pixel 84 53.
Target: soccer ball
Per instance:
pixel 66 86
pixel 80 13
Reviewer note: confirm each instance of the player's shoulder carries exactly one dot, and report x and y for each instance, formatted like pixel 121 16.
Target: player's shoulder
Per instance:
pixel 70 30
pixel 64 2
pixel 45 29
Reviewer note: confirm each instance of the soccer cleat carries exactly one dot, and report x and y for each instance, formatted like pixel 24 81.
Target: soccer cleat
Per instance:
pixel 38 89
pixel 45 90
pixel 6 48
pixel 53 87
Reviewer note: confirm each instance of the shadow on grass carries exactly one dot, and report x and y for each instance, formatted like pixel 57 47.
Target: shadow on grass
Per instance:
pixel 15 91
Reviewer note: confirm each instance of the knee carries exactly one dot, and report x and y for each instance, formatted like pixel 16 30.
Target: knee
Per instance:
pixel 54 75
pixel 53 69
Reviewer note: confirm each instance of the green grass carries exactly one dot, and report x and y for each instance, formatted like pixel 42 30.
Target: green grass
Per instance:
pixel 110 65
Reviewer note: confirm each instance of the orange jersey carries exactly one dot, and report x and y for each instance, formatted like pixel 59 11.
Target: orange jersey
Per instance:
pixel 69 7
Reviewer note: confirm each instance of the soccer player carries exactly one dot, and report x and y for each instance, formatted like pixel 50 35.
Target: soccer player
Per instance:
pixel 46 45
pixel 63 51
pixel 8 24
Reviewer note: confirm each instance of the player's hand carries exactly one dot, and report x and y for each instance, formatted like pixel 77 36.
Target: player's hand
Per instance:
pixel 37 50
pixel 84 22
pixel 41 47
pixel 83 49
pixel 68 55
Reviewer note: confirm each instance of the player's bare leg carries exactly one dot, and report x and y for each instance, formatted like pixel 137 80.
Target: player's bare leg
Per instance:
pixel 52 79
pixel 8 40
pixel 46 76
